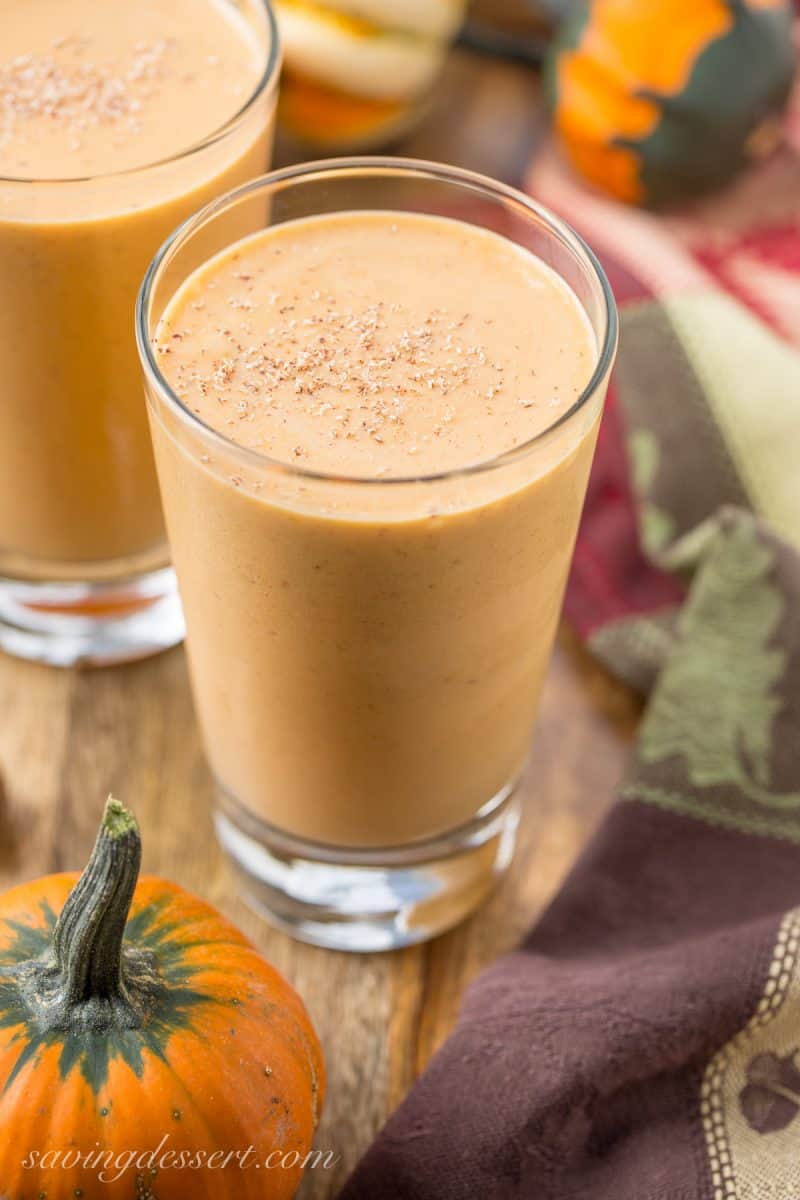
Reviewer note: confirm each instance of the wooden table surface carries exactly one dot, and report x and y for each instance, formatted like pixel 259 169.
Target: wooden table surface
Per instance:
pixel 68 738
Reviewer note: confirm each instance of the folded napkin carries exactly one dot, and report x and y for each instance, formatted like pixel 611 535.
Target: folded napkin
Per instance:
pixel 644 1042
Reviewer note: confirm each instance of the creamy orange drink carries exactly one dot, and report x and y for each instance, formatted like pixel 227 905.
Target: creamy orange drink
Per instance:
pixel 370 607
pixel 117 120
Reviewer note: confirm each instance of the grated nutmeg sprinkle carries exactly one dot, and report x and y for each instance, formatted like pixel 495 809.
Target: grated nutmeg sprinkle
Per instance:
pixel 373 381
pixel 65 86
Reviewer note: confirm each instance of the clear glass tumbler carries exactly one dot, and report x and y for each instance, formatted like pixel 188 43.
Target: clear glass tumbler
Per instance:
pixel 367 723
pixel 84 564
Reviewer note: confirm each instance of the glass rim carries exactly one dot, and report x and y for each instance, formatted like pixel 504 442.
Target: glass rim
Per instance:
pixel 377 165
pixel 268 77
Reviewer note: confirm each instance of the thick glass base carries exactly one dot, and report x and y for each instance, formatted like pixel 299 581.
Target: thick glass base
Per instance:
pixel 90 624
pixel 367 900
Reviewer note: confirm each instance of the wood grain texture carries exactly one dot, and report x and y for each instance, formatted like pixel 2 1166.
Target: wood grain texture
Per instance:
pixel 67 739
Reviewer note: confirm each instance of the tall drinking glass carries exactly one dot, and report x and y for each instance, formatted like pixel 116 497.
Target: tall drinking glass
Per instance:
pixel 367 653
pixel 84 566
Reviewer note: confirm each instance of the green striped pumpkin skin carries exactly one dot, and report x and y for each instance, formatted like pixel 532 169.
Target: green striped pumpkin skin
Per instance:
pixel 647 140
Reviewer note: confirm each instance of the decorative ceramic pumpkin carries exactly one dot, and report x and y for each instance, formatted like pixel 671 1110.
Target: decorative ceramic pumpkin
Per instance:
pixel 659 99
pixel 138 1022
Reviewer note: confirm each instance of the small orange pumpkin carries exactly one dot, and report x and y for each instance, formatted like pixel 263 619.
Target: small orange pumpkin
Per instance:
pixel 654 100
pixel 146 1050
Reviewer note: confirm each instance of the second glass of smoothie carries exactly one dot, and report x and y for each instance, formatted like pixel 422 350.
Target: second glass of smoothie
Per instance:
pixel 117 121
pixel 374 391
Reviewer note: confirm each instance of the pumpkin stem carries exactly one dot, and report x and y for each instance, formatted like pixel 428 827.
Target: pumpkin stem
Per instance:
pixel 88 937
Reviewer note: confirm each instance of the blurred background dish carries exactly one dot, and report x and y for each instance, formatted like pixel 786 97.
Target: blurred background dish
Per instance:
pixel 358 72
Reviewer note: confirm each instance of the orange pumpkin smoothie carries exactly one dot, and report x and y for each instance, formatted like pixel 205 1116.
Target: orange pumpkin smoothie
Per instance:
pixel 367 664
pixel 117 120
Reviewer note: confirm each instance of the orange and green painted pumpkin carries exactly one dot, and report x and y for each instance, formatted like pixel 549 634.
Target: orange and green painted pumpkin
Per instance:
pixel 144 1043
pixel 654 100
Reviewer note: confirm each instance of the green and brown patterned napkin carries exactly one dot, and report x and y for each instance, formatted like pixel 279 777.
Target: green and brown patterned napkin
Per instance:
pixel 710 410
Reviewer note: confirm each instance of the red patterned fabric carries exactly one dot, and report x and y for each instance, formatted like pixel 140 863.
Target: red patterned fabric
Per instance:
pixel 745 242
